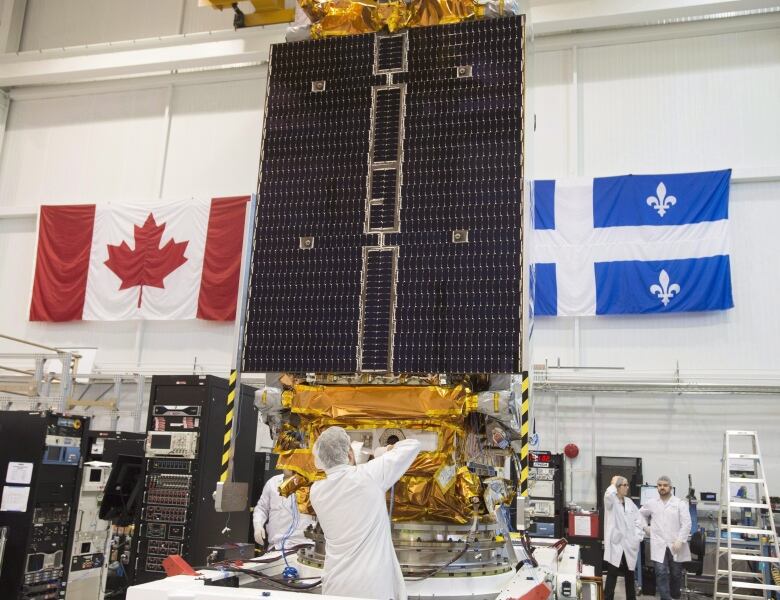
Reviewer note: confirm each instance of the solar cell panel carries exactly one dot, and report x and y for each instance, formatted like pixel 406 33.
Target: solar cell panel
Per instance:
pixel 389 222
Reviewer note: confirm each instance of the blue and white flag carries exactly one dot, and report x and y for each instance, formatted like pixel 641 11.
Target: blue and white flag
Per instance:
pixel 632 244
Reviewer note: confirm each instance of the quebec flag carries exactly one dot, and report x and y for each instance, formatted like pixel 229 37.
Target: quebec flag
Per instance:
pixel 632 244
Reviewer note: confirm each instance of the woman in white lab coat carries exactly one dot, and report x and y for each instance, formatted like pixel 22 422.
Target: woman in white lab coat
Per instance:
pixel 623 532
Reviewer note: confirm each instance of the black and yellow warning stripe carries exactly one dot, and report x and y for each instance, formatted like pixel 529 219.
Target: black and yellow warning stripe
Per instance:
pixel 229 413
pixel 524 405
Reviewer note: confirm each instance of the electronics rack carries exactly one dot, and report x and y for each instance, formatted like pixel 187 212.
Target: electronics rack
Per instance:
pixel 183 450
pixel 546 494
pixel 40 456
pixel 106 446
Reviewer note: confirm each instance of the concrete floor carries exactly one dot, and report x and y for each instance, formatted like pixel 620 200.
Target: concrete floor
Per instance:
pixel 620 594
pixel 620 591
pixel 704 588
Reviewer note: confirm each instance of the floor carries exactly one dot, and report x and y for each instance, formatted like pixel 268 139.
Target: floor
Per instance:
pixel 620 593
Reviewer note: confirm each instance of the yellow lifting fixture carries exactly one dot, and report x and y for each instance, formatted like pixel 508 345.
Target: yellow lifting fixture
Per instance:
pixel 267 12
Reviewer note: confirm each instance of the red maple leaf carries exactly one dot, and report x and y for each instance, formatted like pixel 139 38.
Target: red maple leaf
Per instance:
pixel 147 264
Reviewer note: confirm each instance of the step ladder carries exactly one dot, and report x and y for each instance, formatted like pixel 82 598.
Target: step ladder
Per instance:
pixel 760 548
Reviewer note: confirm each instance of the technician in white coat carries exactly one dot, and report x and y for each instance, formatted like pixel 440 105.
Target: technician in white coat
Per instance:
pixel 360 560
pixel 670 527
pixel 279 516
pixel 623 532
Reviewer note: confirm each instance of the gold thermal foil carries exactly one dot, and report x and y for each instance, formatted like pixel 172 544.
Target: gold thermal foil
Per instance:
pixel 378 401
pixel 314 9
pixel 440 12
pixel 420 499
pixel 288 439
pixel 300 462
pixel 303 501
pixel 440 409
pixel 291 484
pixel 468 484
pixel 299 486
pixel 394 15
pixel 346 17
pixel 427 463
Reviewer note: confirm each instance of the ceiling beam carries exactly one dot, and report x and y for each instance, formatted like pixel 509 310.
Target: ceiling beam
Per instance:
pixel 220 49
pixel 139 57
pixel 552 17
pixel 11 24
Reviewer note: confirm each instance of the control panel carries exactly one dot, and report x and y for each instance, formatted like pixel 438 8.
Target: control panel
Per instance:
pixel 171 443
pixel 545 493
pixel 49 536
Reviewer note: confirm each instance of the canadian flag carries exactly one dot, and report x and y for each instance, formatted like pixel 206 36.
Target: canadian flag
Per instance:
pixel 112 263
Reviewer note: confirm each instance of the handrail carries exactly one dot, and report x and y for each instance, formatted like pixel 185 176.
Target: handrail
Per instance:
pixel 22 371
pixel 37 345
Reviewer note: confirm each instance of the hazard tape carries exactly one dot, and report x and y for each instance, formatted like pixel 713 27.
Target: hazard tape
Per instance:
pixel 524 406
pixel 231 398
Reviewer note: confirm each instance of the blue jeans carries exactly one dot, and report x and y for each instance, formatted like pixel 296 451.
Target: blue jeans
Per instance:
pixel 668 577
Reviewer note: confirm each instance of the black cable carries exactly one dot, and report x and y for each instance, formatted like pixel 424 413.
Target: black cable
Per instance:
pixel 268 578
pixel 471 533
pixel 255 561
pixel 287 552
pixel 526 543
pixel 444 566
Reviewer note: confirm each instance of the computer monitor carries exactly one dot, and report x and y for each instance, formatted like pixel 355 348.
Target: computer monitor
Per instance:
pixel 123 490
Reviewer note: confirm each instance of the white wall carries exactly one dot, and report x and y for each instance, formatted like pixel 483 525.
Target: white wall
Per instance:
pixel 58 23
pixel 672 105
pixel 114 147
pixel 695 103
pixel 695 96
pixel 673 435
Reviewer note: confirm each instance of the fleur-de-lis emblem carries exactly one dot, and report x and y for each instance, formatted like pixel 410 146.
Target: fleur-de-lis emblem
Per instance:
pixel 663 202
pixel 665 292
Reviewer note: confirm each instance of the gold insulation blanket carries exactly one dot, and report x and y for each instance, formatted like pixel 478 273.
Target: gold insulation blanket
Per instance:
pixel 419 496
pixel 381 401
pixel 346 17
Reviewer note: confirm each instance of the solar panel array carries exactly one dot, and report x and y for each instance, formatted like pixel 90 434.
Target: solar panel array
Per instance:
pixel 389 219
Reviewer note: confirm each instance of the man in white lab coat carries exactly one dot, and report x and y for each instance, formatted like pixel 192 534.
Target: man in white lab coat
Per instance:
pixel 279 517
pixel 670 527
pixel 360 559
pixel 623 532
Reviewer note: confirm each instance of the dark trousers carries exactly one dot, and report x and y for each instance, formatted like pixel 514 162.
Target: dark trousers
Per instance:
pixel 612 575
pixel 668 577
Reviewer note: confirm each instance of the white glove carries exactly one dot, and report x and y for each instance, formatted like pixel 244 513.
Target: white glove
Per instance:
pixel 647 529
pixel 676 547
pixel 260 536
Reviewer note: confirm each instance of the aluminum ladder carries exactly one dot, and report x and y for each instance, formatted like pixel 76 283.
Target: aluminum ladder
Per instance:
pixel 740 584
